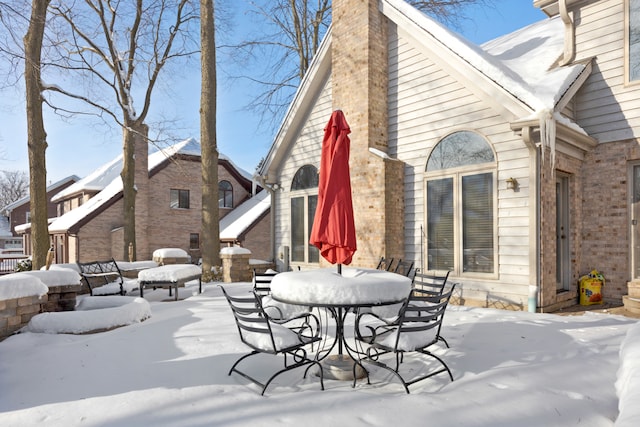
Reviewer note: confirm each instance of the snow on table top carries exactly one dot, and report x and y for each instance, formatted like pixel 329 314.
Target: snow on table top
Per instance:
pixel 356 286
pixel 169 273
pixel 170 253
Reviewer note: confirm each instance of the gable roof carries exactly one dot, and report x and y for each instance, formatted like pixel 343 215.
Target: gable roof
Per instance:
pixel 518 70
pixel 107 182
pixel 104 175
pixel 50 187
pixel 237 222
pixel 522 63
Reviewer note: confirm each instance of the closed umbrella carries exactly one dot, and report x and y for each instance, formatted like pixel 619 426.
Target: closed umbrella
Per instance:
pixel 334 232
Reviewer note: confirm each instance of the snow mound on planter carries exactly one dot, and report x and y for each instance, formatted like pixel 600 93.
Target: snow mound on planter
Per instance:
pixel 92 314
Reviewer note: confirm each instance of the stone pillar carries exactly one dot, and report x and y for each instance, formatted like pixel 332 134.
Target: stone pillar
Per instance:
pixel 359 70
pixel 235 264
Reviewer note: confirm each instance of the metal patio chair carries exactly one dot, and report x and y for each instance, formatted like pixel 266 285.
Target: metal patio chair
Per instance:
pixel 417 329
pixel 428 288
pixel 278 311
pixel 385 264
pixel 265 336
pixel 404 267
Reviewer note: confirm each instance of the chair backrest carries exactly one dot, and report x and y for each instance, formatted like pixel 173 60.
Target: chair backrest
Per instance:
pixel 404 268
pixel 262 282
pixel 420 321
pixel 430 284
pixel 385 264
pixel 99 273
pixel 253 325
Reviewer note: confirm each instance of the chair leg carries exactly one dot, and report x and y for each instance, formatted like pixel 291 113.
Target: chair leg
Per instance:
pixel 290 367
pixel 444 341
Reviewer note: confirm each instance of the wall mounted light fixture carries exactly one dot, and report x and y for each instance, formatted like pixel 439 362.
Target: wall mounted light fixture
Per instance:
pixel 512 184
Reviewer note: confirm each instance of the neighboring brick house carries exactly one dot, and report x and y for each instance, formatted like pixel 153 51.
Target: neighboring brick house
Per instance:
pixel 515 164
pixel 19 212
pixel 168 205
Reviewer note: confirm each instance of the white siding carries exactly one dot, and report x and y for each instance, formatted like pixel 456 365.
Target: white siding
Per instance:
pixel 306 150
pixel 426 104
pixel 606 108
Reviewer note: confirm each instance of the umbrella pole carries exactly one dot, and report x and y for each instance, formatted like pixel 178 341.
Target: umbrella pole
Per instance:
pixel 340 269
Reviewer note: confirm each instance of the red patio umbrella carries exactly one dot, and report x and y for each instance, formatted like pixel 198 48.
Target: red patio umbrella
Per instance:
pixel 334 231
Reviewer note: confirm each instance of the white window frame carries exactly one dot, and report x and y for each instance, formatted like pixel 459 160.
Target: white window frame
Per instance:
pixel 304 194
pixel 627 45
pixel 456 174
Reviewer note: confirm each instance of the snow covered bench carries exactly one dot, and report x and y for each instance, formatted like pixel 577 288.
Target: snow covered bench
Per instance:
pixel 168 276
pixel 105 278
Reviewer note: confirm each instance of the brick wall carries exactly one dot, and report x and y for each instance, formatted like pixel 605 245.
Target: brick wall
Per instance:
pixel 16 313
pixel 573 169
pixel 359 89
pixel 605 235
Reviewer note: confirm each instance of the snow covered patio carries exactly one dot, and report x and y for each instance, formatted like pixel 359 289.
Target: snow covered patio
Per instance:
pixel 510 368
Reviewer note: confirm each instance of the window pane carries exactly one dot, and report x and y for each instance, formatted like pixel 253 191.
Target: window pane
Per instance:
pixel 194 241
pixel 184 199
pixel 634 39
pixel 179 199
pixel 306 177
pixel 174 199
pixel 460 149
pixel 477 223
pixel 297 229
pixel 440 245
pixel 225 194
pixel 314 253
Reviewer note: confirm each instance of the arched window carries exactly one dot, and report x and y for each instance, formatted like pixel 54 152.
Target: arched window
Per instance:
pixel 225 194
pixel 460 205
pixel 306 177
pixel 304 199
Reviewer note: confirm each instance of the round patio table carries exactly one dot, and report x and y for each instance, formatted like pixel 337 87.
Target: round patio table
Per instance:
pixel 339 293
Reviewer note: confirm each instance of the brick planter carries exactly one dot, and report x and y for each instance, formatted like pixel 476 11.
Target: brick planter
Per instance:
pixel 632 300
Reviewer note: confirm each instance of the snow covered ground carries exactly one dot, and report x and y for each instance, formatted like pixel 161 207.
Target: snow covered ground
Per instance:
pixel 510 369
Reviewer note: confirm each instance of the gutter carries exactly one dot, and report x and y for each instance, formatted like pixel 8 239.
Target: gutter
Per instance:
pixel 534 285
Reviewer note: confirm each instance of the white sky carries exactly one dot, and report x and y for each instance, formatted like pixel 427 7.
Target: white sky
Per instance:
pixel 510 369
pixel 78 148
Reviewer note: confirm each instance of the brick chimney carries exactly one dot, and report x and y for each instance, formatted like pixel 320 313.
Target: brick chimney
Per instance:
pixel 359 68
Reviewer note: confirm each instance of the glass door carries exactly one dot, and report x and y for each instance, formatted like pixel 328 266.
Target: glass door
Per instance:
pixel 563 265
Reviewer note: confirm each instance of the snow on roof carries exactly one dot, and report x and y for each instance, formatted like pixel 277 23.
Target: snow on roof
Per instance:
pixel 523 62
pixel 50 187
pixel 99 180
pixel 103 176
pixel 242 217
pixel 64 222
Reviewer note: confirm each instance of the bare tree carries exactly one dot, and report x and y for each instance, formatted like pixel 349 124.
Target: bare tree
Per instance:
pixel 113 55
pixel 289 37
pixel 36 135
pixel 14 185
pixel 208 141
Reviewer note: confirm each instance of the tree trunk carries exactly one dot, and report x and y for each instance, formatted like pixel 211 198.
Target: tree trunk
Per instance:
pixel 210 211
pixel 36 135
pixel 128 189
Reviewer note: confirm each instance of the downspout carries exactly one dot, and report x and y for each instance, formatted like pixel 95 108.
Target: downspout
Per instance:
pixel 272 214
pixel 569 34
pixel 534 289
